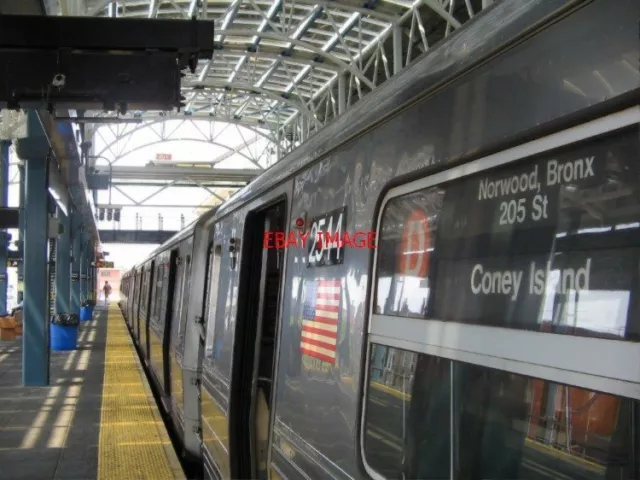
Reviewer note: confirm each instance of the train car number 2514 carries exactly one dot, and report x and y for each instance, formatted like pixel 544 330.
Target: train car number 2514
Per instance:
pixel 322 247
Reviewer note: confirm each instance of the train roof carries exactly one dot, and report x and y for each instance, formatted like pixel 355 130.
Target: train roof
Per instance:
pixel 421 78
pixel 186 232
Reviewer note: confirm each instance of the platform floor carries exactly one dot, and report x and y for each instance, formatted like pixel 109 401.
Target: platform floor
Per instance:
pixel 97 419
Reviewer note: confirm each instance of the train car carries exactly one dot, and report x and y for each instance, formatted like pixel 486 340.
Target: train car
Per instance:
pixel 156 306
pixel 457 296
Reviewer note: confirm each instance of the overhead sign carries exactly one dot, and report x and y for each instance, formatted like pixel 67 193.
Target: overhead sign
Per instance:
pixel 164 157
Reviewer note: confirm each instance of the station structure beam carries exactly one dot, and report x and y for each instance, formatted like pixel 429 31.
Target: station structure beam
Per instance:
pixel 202 175
pixel 63 265
pixel 34 150
pixel 4 236
pixel 136 236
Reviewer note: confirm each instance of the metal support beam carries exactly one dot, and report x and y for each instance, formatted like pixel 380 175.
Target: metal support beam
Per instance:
pixel 76 234
pixel 342 93
pixel 136 236
pixel 63 266
pixel 4 241
pixel 397 49
pixel 147 205
pixel 35 351
pixel 170 173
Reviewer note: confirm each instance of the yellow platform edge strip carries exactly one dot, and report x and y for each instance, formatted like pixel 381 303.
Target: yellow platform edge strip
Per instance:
pixel 133 440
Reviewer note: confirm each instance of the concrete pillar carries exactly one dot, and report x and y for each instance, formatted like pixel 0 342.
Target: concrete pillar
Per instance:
pixel 35 351
pixel 76 234
pixel 63 265
pixel 4 240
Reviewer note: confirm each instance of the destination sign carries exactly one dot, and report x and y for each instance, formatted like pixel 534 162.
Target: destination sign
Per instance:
pixel 553 239
pixel 526 197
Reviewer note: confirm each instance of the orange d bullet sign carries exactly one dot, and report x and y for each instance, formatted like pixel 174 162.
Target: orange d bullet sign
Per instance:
pixel 416 241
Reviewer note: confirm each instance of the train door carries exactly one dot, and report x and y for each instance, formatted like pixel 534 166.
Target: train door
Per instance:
pixel 168 314
pixel 178 312
pixel 132 281
pixel 255 345
pixel 139 299
pixel 149 303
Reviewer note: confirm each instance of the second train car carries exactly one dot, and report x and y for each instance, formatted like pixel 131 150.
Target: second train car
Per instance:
pixel 493 331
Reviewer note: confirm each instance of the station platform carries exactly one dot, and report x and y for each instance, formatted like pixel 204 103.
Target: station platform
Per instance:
pixel 97 419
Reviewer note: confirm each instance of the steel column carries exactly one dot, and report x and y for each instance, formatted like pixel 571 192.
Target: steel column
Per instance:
pixel 85 264
pixel 83 271
pixel 21 235
pixel 63 265
pixel 35 351
pixel 87 270
pixel 92 278
pixel 76 232
pixel 4 239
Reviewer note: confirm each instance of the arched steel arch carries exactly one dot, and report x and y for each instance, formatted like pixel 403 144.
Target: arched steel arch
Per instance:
pixel 199 140
pixel 148 123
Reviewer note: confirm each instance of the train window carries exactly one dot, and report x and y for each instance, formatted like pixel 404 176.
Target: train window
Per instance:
pixel 186 288
pixel 431 418
pixel 159 295
pixel 178 303
pixel 214 276
pixel 550 243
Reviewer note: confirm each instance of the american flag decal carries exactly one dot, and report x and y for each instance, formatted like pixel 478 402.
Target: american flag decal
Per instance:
pixel 320 320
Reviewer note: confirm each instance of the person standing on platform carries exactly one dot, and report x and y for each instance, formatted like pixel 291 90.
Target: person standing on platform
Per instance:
pixel 107 291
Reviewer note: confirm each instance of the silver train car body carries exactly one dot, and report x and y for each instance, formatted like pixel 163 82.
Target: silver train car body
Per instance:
pixel 493 331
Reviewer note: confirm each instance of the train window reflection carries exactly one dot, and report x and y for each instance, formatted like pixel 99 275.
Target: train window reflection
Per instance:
pixel 186 288
pixel 550 243
pixel 505 426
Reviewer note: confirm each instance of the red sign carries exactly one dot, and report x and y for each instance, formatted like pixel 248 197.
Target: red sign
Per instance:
pixel 416 242
pixel 164 157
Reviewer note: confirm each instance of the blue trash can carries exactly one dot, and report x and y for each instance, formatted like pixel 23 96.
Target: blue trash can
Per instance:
pixel 86 314
pixel 63 337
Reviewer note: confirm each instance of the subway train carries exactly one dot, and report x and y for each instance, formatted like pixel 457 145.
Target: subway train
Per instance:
pixel 441 283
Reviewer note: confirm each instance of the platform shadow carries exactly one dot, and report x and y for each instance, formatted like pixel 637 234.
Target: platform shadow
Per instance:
pixel 54 431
